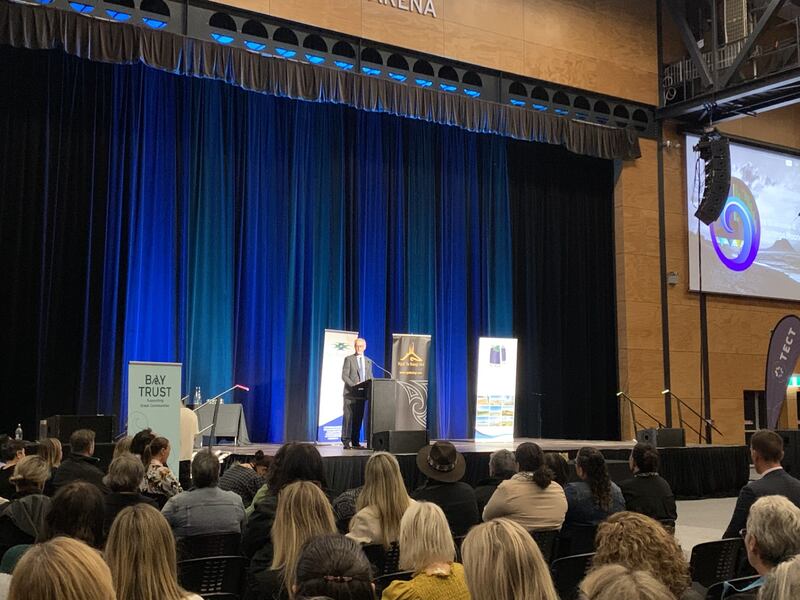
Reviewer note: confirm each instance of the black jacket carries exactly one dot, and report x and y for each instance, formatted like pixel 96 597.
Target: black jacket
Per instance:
pixel 116 501
pixel 457 500
pixel 777 482
pixel 650 494
pixel 79 468
pixel 21 520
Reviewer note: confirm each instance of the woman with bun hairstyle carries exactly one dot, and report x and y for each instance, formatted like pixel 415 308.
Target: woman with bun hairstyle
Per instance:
pixel 158 478
pixel 246 478
pixel 531 497
pixel 647 492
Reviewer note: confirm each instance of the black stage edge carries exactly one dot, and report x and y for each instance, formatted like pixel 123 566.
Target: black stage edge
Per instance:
pixel 693 472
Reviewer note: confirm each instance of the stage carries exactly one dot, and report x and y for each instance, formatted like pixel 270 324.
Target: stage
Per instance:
pixel 695 471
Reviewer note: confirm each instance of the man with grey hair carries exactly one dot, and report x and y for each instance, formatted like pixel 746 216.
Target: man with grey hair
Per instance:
pixel 124 476
pixel 502 465
pixel 205 508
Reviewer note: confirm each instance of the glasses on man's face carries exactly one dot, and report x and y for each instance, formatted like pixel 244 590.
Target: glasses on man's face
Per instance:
pixel 742 533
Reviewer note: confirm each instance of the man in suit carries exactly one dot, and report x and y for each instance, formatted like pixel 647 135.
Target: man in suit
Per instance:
pixel 356 368
pixel 766 451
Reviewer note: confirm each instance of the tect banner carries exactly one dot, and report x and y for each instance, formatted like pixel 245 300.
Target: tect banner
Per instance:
pixel 154 401
pixel 496 389
pixel 336 346
pixel 784 349
pixel 410 354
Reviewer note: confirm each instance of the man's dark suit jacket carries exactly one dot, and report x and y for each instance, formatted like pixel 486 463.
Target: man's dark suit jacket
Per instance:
pixel 775 483
pixel 350 373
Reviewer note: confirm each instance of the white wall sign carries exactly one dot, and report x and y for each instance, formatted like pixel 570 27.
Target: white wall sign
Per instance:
pixel 337 345
pixel 422 7
pixel 497 385
pixel 154 401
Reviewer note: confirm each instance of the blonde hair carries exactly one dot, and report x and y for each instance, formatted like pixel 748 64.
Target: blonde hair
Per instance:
pixel 774 522
pixel 641 543
pixel 303 512
pixel 61 569
pixel 141 553
pixel 30 472
pixel 782 582
pixel 50 450
pixel 122 446
pixel 425 537
pixel 502 562
pixel 616 582
pixel 385 491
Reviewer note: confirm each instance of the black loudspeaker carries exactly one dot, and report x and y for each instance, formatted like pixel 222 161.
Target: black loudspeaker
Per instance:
pixel 62 426
pixel 399 442
pixel 791 451
pixel 715 151
pixel 667 437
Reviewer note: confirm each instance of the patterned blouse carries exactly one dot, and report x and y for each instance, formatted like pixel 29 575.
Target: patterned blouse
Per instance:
pixel 158 479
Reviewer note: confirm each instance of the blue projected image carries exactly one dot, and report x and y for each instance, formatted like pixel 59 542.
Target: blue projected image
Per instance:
pixel 370 71
pixel 154 23
pixel 448 87
pixel 81 7
pixel 397 76
pixel 254 46
pixel 117 15
pixel 423 83
pixel 285 53
pixel 314 59
pixel 222 38
pixel 472 93
pixel 541 107
pixel 516 102
pixel 346 66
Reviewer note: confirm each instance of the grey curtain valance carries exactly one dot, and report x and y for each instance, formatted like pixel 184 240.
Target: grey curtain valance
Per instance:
pixel 43 28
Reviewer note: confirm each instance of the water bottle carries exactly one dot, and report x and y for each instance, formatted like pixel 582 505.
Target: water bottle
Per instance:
pixel 198 397
pixel 18 432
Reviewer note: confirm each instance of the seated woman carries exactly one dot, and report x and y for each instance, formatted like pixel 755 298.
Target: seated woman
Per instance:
pixel 382 503
pixel 595 497
pixel 333 566
pixel 559 466
pixel 50 450
pixel 531 497
pixel 516 568
pixel 159 481
pixel 303 512
pixel 76 512
pixel 616 582
pixel 648 493
pixel 141 554
pixel 639 543
pixel 427 548
pixel 783 582
pixel 125 474
pixel 22 519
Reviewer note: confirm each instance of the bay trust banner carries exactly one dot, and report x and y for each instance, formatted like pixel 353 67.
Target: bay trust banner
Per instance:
pixel 784 348
pixel 335 347
pixel 410 357
pixel 496 389
pixel 154 401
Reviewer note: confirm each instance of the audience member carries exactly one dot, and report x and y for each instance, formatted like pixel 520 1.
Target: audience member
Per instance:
pixel 122 446
pixel 245 479
pixel 617 582
pixel 640 543
pixel 344 508
pixel 205 508
pixel 647 492
pixel 502 465
pixel 531 497
pixel 502 562
pixel 141 554
pixel 62 569
pixel 50 450
pixel 159 481
pixel 77 512
pixel 140 441
pixel 293 462
pixel 303 512
pixel 22 519
pixel 333 567
pixel 559 466
pixel 594 497
pixel 427 548
pixel 783 582
pixel 13 451
pixel 444 467
pixel 125 474
pixel 382 502
pixel 766 453
pixel 189 429
pixel 81 465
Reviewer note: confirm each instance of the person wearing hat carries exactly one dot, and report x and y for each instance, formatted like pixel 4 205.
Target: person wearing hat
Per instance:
pixel 444 467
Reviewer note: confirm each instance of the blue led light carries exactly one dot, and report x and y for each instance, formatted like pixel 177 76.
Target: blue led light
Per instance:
pixel 286 53
pixel 45 1
pixel 561 111
pixel 154 23
pixel 346 66
pixel 370 71
pixel 447 87
pixel 314 59
pixel 81 7
pixel 222 38
pixel 583 116
pixel 472 93
pixel 254 46
pixel 516 102
pixel 397 76
pixel 423 83
pixel 539 106
pixel 117 15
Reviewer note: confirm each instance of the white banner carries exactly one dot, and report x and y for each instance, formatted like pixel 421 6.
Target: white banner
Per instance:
pixel 154 401
pixel 497 386
pixel 337 345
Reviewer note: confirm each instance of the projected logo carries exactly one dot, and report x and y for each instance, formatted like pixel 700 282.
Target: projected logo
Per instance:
pixel 737 232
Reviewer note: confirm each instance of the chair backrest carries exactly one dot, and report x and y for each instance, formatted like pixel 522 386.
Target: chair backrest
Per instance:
pixel 382 582
pixel 547 540
pixel 568 572
pixel 214 576
pixel 718 590
pixel 716 561
pixel 212 544
pixel 576 539
pixel 383 560
pixel 457 541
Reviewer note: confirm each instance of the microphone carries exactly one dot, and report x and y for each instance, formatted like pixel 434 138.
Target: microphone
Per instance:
pixel 377 365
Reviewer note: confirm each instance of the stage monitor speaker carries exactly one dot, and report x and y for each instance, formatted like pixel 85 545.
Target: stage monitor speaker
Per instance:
pixel 715 151
pixel 399 442
pixel 62 426
pixel 791 450
pixel 667 437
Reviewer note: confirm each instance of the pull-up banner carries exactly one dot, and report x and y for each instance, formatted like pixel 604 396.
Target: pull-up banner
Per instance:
pixel 496 389
pixel 154 401
pixel 337 345
pixel 410 354
pixel 784 348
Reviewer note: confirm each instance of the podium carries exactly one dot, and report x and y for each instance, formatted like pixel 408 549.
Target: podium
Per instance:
pixel 389 417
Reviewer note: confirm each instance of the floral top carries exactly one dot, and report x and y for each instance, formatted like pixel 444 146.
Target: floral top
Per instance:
pixel 158 479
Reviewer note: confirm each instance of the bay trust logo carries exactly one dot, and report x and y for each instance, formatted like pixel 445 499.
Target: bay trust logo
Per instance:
pixel 422 7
